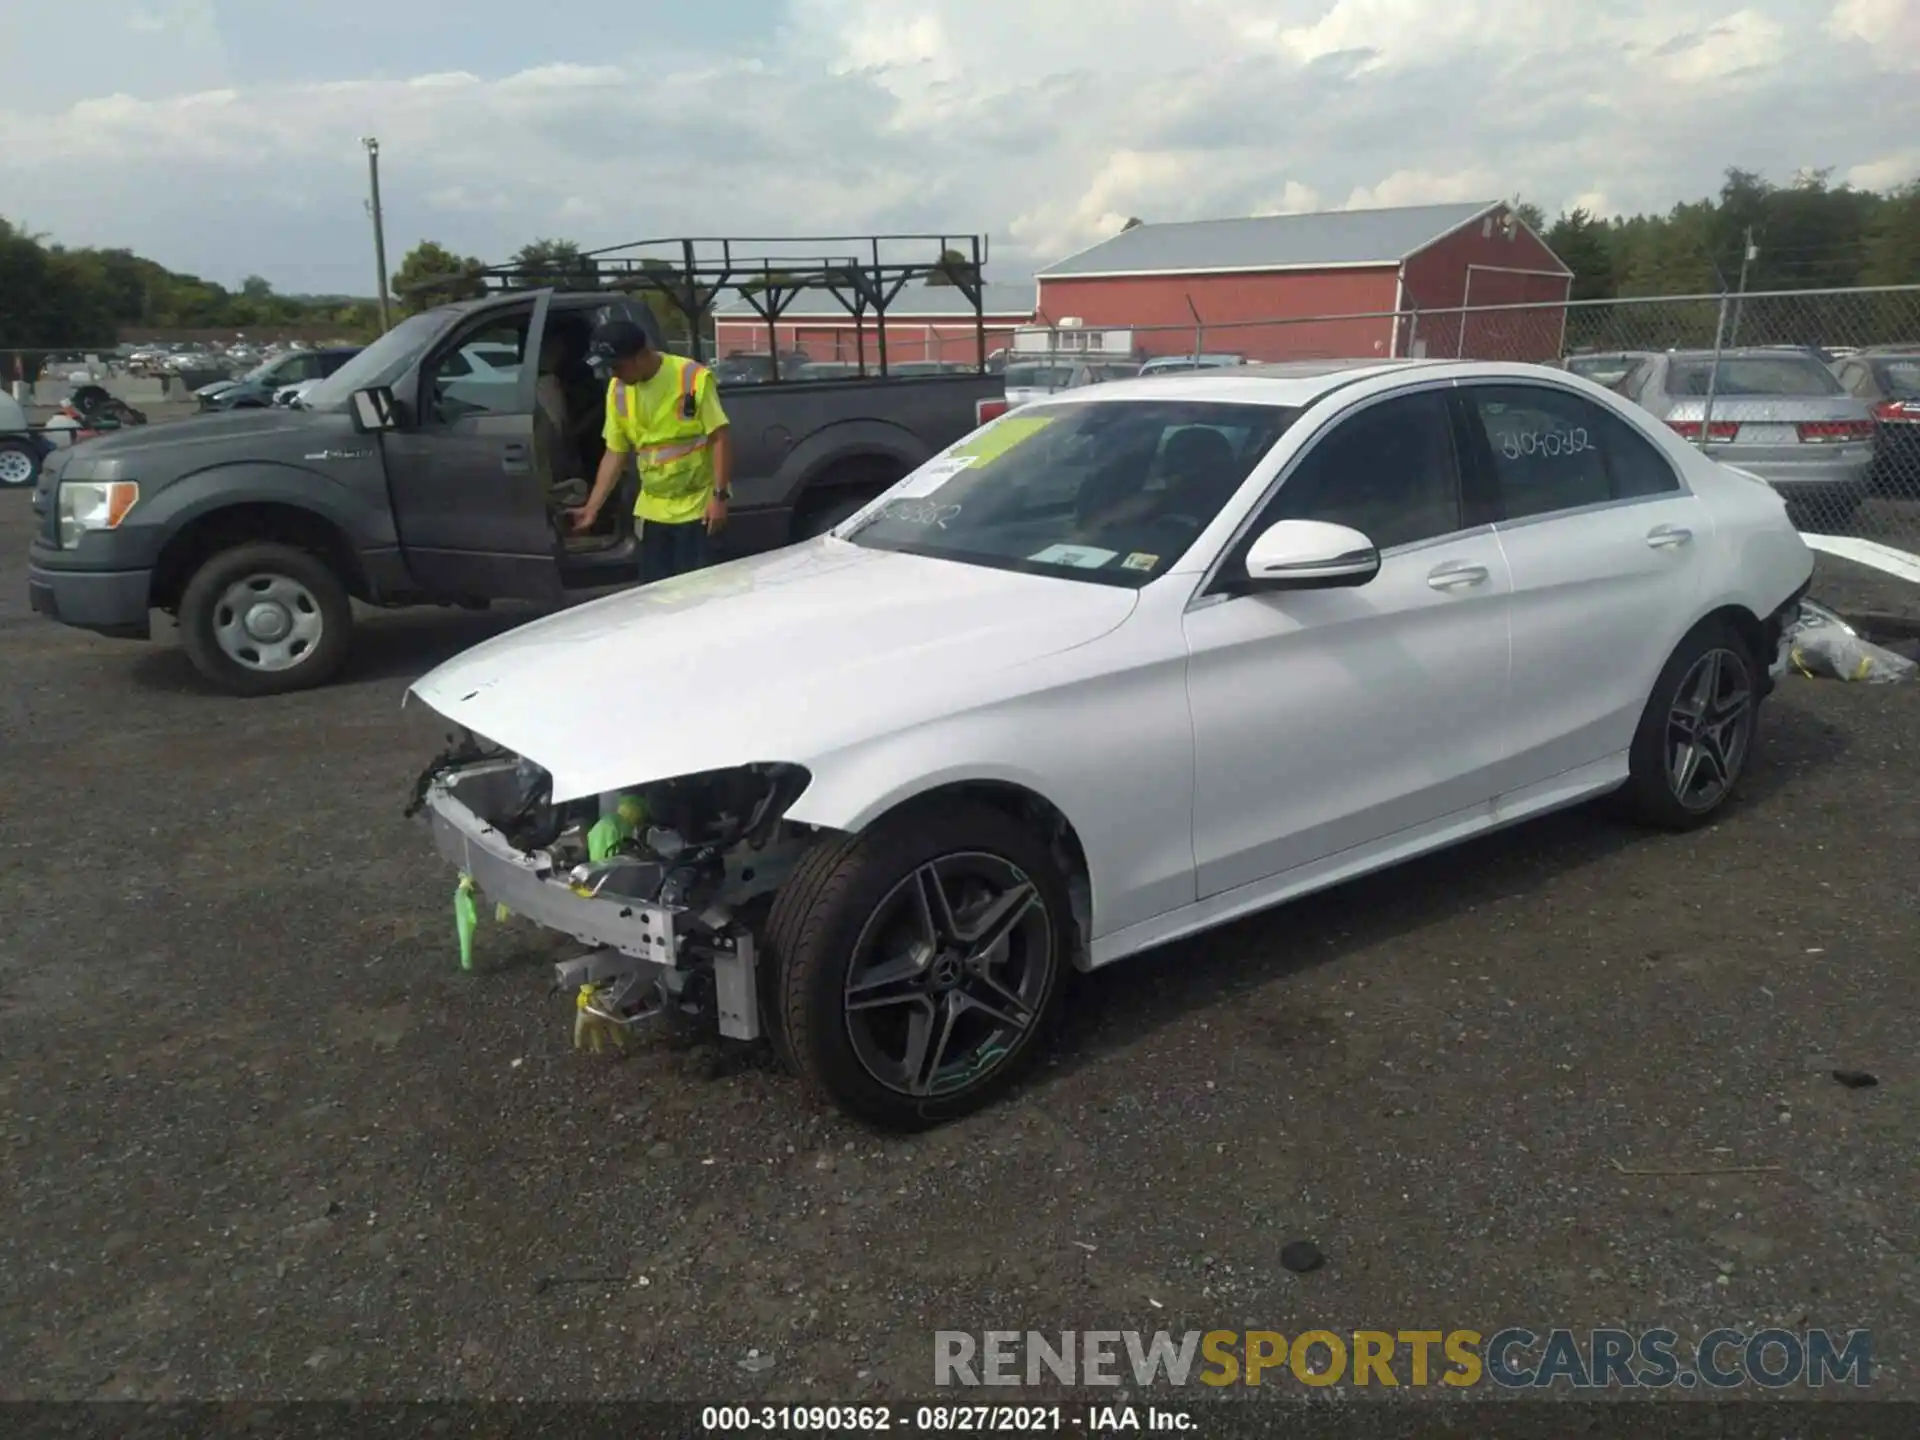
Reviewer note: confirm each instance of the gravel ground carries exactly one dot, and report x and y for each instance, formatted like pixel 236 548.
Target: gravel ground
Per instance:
pixel 263 1137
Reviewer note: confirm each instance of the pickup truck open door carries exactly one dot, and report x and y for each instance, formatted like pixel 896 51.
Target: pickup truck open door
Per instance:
pixel 463 468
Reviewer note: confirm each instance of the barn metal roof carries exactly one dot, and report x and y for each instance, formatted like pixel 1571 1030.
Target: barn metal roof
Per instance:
pixel 913 303
pixel 1272 242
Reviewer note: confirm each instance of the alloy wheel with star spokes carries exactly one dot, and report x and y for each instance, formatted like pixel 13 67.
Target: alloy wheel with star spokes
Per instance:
pixel 914 967
pixel 1709 727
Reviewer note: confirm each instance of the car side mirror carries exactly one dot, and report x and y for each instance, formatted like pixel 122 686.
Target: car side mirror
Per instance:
pixel 375 410
pixel 1309 555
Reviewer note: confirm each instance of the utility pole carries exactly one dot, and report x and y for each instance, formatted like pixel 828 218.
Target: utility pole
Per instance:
pixel 1749 252
pixel 379 227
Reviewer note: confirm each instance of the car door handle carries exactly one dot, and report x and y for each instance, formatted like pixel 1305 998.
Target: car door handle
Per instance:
pixel 1455 575
pixel 515 457
pixel 1663 537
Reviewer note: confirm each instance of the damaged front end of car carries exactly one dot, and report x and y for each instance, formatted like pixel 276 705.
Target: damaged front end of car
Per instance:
pixel 664 884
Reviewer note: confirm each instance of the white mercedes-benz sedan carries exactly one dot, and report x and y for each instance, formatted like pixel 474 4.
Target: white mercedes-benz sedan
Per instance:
pixel 1126 664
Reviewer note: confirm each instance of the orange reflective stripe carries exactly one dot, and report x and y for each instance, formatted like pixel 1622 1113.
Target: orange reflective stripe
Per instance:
pixel 689 377
pixel 620 399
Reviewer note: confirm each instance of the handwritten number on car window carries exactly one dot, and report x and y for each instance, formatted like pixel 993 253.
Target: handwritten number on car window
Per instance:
pixel 1516 444
pixel 922 512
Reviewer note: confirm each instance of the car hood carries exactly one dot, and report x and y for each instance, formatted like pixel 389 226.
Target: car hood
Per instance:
pixel 179 436
pixel 789 656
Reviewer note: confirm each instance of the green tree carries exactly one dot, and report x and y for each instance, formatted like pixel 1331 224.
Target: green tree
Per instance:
pixel 1582 243
pixel 1890 254
pixel 558 263
pixel 430 275
pixel 1531 214
pixel 954 267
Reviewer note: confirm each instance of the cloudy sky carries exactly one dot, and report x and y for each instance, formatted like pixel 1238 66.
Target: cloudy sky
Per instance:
pixel 221 136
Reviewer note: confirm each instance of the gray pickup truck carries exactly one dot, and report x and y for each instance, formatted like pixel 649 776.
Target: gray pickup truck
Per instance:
pixel 424 471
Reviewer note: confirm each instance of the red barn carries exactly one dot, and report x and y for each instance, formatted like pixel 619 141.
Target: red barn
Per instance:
pixel 1200 281
pixel 924 323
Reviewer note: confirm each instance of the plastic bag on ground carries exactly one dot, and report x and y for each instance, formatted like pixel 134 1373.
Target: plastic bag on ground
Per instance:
pixel 1821 644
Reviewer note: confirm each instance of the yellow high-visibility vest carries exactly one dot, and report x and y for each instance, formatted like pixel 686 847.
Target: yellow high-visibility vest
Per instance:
pixel 665 426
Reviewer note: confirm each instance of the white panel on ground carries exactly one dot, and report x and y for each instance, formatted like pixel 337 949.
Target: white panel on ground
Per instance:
pixel 1900 563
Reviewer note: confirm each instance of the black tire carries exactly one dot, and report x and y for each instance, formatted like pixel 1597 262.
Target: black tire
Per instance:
pixel 10 469
pixel 845 891
pixel 204 614
pixel 823 512
pixel 1656 764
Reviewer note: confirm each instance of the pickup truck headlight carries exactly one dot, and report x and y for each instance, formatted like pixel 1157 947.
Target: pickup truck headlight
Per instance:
pixel 93 505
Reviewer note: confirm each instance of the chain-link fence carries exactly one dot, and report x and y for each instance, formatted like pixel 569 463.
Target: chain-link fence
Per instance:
pixel 1816 391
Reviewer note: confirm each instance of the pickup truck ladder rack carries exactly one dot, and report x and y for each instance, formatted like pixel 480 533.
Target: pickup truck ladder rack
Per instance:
pixel 864 273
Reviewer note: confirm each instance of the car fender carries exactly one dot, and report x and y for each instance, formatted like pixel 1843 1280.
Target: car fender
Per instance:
pixel 367 522
pixel 1128 802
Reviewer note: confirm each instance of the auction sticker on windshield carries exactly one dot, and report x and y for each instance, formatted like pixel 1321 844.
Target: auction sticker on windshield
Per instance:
pixel 1080 557
pixel 996 440
pixel 932 475
pixel 1139 560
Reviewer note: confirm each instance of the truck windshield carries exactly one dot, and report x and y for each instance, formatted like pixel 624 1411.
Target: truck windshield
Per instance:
pixel 381 363
pixel 1111 492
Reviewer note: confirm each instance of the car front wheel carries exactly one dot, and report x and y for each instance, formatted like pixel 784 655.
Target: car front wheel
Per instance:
pixel 263 619
pixel 1696 735
pixel 917 964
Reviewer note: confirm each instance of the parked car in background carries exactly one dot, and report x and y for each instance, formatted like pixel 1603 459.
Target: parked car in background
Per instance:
pixel 255 389
pixel 1887 381
pixel 1344 613
pixel 1609 369
pixel 22 448
pixel 758 369
pixel 1028 380
pixel 1778 413
pixel 1183 364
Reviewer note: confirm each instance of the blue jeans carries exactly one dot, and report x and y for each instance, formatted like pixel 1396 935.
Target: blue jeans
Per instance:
pixel 671 549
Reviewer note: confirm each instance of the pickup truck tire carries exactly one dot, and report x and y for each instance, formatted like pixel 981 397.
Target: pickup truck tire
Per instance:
pixel 918 964
pixel 19 464
pixel 265 619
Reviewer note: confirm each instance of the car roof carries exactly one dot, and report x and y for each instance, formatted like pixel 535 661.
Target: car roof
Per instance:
pixel 1296 383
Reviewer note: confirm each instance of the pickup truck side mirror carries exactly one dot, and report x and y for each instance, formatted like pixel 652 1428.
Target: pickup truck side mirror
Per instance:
pixel 375 410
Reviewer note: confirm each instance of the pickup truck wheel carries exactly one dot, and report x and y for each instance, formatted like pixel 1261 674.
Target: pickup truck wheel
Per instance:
pixel 19 464
pixel 264 619
pixel 919 963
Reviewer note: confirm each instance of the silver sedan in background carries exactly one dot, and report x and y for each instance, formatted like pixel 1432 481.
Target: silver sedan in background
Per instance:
pixel 1777 413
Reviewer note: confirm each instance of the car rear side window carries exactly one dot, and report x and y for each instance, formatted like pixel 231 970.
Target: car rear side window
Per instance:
pixel 1389 472
pixel 1552 451
pixel 1752 375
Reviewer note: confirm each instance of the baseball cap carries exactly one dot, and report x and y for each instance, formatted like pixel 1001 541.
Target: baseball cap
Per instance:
pixel 616 339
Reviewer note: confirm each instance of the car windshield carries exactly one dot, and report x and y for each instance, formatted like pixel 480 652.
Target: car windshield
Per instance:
pixel 1601 369
pixel 1110 492
pixel 1901 378
pixel 1754 375
pixel 381 363
pixel 264 371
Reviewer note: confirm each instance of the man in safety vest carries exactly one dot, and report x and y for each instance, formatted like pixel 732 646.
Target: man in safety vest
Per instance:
pixel 663 411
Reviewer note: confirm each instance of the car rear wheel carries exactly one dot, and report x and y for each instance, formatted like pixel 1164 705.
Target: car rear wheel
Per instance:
pixel 1697 732
pixel 916 965
pixel 19 464
pixel 265 619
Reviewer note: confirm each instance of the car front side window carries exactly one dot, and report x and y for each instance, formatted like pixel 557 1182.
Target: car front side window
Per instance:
pixel 1553 451
pixel 1389 471
pixel 456 388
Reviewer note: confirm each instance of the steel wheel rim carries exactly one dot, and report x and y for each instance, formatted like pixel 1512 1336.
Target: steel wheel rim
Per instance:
pixel 267 623
pixel 948 974
pixel 16 467
pixel 1709 724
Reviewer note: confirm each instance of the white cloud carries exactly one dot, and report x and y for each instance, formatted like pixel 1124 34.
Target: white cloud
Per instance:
pixel 1045 124
pixel 1886 173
